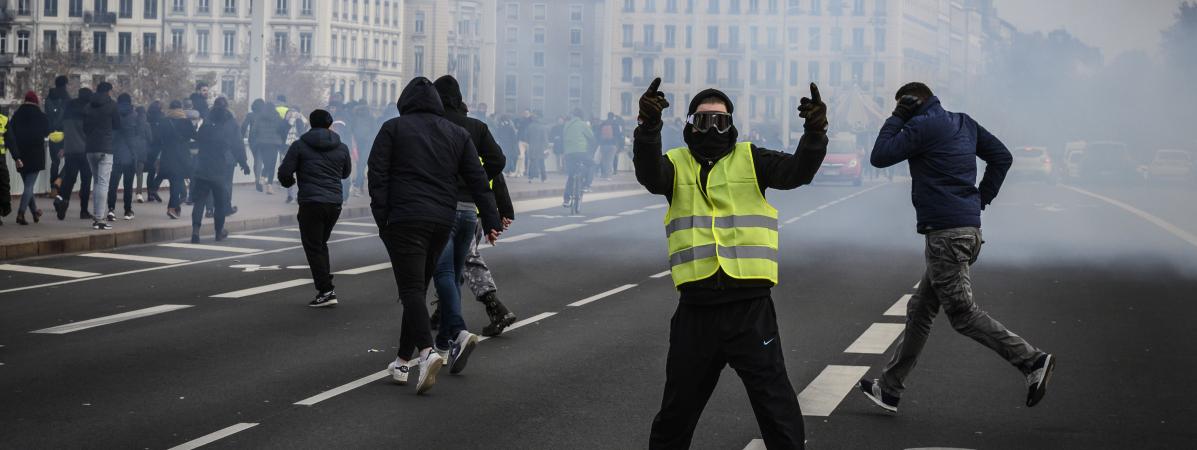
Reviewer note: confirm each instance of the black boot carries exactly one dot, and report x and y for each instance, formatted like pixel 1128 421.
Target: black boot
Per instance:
pixel 500 317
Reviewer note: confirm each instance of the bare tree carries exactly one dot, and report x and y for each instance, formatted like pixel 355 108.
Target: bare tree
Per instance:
pixel 294 75
pixel 157 76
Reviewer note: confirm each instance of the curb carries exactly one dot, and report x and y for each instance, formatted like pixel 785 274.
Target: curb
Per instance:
pixel 85 241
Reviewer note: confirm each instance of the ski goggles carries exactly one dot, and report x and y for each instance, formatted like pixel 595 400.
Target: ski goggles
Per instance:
pixel 704 121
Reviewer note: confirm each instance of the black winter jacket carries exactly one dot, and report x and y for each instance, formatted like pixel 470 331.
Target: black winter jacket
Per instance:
pixel 320 161
pixel 100 120
pixel 493 160
pixel 74 139
pixel 174 137
pixel 416 160
pixel 26 136
pixel 220 146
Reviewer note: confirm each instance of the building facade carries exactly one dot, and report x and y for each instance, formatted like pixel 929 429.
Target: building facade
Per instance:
pixel 550 58
pixel 454 37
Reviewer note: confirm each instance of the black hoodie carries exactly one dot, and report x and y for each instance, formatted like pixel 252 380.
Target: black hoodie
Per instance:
pixel 493 159
pixel 416 160
pixel 100 118
pixel 320 161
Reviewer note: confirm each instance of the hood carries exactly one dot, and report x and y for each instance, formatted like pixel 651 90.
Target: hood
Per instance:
pixel 124 108
pixel 321 139
pixel 98 100
pixel 75 108
pixel 219 116
pixel 450 92
pixel 420 96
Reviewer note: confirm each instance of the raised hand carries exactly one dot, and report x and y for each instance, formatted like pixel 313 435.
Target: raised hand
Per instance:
pixel 814 111
pixel 652 103
pixel 907 105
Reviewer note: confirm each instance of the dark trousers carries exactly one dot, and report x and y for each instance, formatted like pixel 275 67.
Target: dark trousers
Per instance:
pixel 265 157
pixel 122 174
pixel 205 192
pixel 178 190
pixel 705 338
pixel 55 161
pixel 316 221
pixel 414 248
pixel 76 165
pixel 5 187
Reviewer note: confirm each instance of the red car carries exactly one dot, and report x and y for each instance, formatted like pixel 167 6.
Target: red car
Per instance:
pixel 843 161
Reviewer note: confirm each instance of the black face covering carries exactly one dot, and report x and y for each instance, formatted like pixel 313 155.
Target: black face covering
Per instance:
pixel 709 146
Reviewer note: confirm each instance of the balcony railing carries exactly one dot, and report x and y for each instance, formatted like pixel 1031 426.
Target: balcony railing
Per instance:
pixel 736 48
pixel 6 59
pixel 858 51
pixel 102 19
pixel 648 47
pixel 368 64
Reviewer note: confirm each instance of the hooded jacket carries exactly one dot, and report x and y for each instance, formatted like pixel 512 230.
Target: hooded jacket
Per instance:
pixel 775 170
pixel 263 126
pixel 943 148
pixel 27 130
pixel 100 120
pixel 416 160
pixel 320 161
pixel 493 159
pixel 56 101
pixel 74 140
pixel 220 146
pixel 128 143
pixel 174 137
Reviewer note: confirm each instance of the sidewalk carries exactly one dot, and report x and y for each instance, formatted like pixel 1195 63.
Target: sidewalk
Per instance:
pixel 255 211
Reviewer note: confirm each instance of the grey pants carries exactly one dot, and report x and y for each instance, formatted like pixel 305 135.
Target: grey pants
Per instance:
pixel 946 284
pixel 101 169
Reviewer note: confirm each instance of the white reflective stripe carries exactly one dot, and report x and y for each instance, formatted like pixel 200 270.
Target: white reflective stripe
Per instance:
pixel 709 251
pixel 683 223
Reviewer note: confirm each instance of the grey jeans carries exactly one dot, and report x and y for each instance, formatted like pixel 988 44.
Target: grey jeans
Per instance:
pixel 101 170
pixel 946 283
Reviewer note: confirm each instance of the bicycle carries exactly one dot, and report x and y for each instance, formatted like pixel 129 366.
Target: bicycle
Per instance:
pixel 575 185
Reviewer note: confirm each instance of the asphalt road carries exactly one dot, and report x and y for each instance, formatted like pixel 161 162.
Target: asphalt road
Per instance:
pixel 1109 290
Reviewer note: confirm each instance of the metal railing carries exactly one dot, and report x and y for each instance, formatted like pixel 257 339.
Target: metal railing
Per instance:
pixel 102 19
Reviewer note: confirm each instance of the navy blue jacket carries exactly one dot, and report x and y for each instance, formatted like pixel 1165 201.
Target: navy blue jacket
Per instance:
pixel 320 161
pixel 943 148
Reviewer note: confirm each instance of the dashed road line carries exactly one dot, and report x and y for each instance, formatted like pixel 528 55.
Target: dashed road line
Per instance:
pixel 108 320
pixel 139 258
pixel 343 388
pixel 659 205
pixel 364 269
pixel 876 339
pixel 263 289
pixel 47 271
pixel 660 275
pixel 602 219
pixel 632 212
pixel 359 224
pixel 829 388
pixel 520 237
pixel 530 320
pixel 756 444
pixel 603 295
pixel 572 226
pixel 214 436
pixel 339 232
pixel 215 248
pixel 254 237
pixel 899 308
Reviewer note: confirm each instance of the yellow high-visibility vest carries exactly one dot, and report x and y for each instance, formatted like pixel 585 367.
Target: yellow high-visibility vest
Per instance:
pixel 3 129
pixel 730 225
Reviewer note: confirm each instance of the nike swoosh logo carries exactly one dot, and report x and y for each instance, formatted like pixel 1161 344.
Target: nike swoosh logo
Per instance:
pixel 770 341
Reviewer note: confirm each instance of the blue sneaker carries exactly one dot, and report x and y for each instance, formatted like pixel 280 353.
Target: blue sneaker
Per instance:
pixel 460 351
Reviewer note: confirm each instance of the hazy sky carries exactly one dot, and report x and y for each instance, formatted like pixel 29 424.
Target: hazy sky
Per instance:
pixel 1114 26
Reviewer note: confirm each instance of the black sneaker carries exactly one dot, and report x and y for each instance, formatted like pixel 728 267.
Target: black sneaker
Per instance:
pixel 324 299
pixel 1041 374
pixel 60 208
pixel 222 235
pixel 100 226
pixel 872 390
pixel 111 217
pixel 85 215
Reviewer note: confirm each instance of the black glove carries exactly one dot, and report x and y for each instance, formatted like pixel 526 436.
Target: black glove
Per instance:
pixel 652 103
pixel 245 169
pixel 5 209
pixel 814 111
pixel 907 105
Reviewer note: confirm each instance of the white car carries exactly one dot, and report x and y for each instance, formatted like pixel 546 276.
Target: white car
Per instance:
pixel 1074 153
pixel 1032 162
pixel 1169 164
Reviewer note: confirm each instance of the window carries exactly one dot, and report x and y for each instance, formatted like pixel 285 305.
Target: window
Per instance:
pixel 670 70
pixel 332 50
pixel 812 72
pixel 513 34
pixel 814 39
pixel 837 39
pixel 149 42
pixel 512 58
pixel 513 11
pixel 879 7
pixel 23 43
pixel 833 73
pixel 575 13
pixel 689 36
pixel 176 40
pixel 230 43
pixel 686 74
pixel 150 11
pixel 126 9
pixel 280 43
pixel 650 5
pixel 879 73
pixel 305 44
pixel 539 11
pixel 75 8
pixel 670 36
pixel 733 71
pixel 201 42
pixel 538 85
pixel 280 7
pixel 712 36
pixel 647 67
pixel 3 43
pixel 538 59
pixel 627 36
pixel 23 7
pixel 575 87
pixel 793 73
pixel 858 8
pixel 203 6
pixel 510 85
pixel 305 7
pixel 418 61
pixel 771 37
pixel 857 72
pixel 230 7
pixel 712 71
pixel 792 35
pixel 575 36
pixel 51 8
pixel 50 41
pixel 879 39
pixel 649 39
pixel 625 103
pixel 538 35
pixel 733 6
pixel 419 28
pixel 177 6
pixel 100 6
pixel 74 42
pixel 713 6
pixel 629 5
pixel 575 60
pixel 816 7
pixel 627 69
pixel 228 87
pixel 124 45
pixel 671 6
pixel 99 43
pixel 858 38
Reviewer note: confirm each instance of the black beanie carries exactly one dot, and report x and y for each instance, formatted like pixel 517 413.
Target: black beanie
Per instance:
pixel 320 119
pixel 104 87
pixel 708 93
pixel 60 81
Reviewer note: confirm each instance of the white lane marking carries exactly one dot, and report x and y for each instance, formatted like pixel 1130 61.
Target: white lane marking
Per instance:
pixel 789 221
pixel 756 444
pixel 533 319
pixel 602 219
pixel 899 308
pixel 364 269
pixel 139 258
pixel 662 205
pixel 343 388
pixel 47 271
pixel 342 233
pixel 263 289
pixel 632 212
pixel 215 248
pixel 660 275
pixel 107 320
pixel 825 393
pixel 214 436
pixel 1170 228
pixel 520 237
pixel 600 296
pixel 254 237
pixel 917 284
pixel 358 224
pixel 876 339
pixel 572 226
pixel 555 202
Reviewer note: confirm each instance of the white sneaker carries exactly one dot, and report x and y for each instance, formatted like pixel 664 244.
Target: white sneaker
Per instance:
pixel 399 372
pixel 459 354
pixel 429 366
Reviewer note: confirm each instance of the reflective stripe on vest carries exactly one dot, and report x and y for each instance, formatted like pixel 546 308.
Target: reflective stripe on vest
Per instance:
pixel 728 226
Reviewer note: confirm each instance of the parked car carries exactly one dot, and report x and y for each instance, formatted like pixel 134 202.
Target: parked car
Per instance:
pixel 1108 161
pixel 1032 162
pixel 843 160
pixel 1168 164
